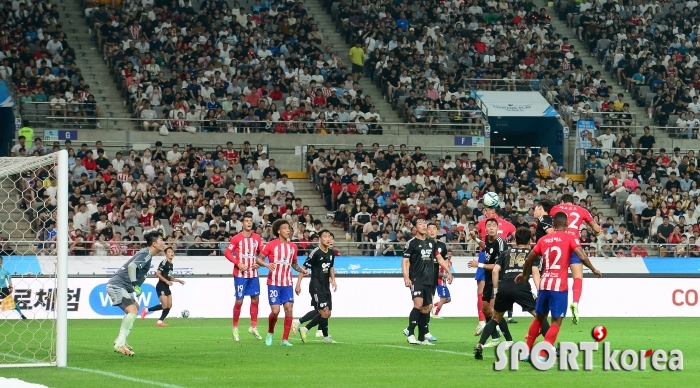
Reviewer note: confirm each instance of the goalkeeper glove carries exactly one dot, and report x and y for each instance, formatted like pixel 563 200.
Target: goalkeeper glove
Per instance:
pixel 137 290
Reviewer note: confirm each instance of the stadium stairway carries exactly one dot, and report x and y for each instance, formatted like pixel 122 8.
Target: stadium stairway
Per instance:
pixel 335 40
pixel 642 118
pixel 89 60
pixel 311 198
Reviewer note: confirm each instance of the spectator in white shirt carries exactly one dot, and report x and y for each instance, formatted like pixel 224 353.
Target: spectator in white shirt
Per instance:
pixel 580 193
pixel 149 118
pixel 54 45
pixel 118 162
pixel 284 185
pixel 174 156
pixel 268 186
pixel 607 140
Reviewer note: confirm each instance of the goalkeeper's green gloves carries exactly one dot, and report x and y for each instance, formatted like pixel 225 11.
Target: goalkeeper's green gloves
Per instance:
pixel 137 290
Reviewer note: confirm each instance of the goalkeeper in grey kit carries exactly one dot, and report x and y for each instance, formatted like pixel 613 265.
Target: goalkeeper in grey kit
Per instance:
pixel 126 282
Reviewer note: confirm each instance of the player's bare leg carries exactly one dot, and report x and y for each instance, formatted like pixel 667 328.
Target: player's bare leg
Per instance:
pixel 535 329
pixel 271 322
pixel 438 306
pixel 288 318
pixel 480 307
pixel 253 329
pixel 167 303
pixel 496 321
pixel 577 274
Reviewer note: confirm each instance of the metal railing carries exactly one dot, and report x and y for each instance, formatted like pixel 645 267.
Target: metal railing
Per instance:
pixel 185 244
pixel 512 85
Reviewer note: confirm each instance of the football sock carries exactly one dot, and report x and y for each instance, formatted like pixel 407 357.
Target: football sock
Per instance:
pixel 488 329
pixel 544 328
pixel 271 322
pixel 315 321
pixel 551 336
pixel 413 320
pixel 164 314
pixel 157 307
pixel 18 309
pixel 236 314
pixel 504 329
pixel 510 315
pixel 533 332
pixel 494 334
pixel 324 326
pixel 308 316
pixel 422 325
pixel 253 314
pixel 125 329
pixel 578 286
pixel 287 327
pixel 437 311
pixel 480 307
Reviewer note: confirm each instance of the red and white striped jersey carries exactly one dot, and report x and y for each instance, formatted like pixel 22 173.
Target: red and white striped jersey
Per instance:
pixel 442 278
pixel 282 255
pixel 244 250
pixel 576 216
pixel 556 249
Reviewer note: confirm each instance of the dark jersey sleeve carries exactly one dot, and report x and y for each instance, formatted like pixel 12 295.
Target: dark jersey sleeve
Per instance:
pixel 163 267
pixel 501 261
pixel 409 249
pixel 311 260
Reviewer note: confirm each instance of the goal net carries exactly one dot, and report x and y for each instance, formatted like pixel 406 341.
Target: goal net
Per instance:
pixel 33 247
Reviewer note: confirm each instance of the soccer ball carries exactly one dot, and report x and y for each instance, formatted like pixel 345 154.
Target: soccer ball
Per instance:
pixel 491 200
pixel 185 313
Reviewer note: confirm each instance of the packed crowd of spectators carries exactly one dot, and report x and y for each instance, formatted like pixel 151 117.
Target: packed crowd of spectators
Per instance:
pixel 38 62
pixel 230 69
pixel 657 193
pixel 195 197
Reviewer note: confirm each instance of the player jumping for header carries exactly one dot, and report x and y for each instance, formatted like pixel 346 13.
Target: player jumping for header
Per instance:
pixel 508 265
pixel 242 251
pixel 419 275
pixel 6 287
pixel 576 216
pixel 555 249
pixel 127 281
pixel 165 280
pixel 320 263
pixel 282 256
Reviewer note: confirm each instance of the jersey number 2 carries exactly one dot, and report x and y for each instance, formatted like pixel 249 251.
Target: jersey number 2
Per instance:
pixel 574 222
pixel 553 254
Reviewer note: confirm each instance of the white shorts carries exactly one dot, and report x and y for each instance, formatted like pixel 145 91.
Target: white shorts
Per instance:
pixel 117 294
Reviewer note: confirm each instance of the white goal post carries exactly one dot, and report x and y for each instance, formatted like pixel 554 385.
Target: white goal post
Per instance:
pixel 40 338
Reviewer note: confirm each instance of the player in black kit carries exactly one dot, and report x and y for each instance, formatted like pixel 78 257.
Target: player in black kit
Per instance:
pixel 494 245
pixel 544 220
pixel 165 280
pixel 320 263
pixel 419 274
pixel 509 265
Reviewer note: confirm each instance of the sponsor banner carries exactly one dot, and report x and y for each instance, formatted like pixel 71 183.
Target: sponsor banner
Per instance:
pixel 214 298
pixel 616 265
pixel 355 265
pixel 585 132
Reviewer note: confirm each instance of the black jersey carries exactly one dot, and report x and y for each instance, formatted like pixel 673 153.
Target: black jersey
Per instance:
pixel 492 250
pixel 511 262
pixel 439 248
pixel 420 257
pixel 166 269
pixel 320 264
pixel 544 223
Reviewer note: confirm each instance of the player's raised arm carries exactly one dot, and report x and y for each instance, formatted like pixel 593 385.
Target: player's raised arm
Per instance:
pixel 586 261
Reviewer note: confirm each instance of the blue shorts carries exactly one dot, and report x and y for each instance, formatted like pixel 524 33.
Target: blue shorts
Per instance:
pixel 480 272
pixel 552 301
pixel 443 292
pixel 574 259
pixel 277 295
pixel 246 287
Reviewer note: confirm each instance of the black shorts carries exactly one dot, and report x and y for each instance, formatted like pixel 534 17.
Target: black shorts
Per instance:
pixel 321 301
pixel 358 68
pixel 424 291
pixel 488 293
pixel 506 297
pixel 163 289
pixel 4 292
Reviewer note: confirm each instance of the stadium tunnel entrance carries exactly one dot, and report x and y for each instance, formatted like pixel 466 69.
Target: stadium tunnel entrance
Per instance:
pixel 528 131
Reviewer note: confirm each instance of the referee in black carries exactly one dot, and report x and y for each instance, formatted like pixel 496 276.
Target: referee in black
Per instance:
pixel 509 265
pixel 419 275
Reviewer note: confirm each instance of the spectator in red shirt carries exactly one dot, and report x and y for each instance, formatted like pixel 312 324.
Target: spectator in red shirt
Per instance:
pixel 89 163
pixel 638 250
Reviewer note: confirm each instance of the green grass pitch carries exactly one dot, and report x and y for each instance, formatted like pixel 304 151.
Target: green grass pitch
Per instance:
pixel 370 353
